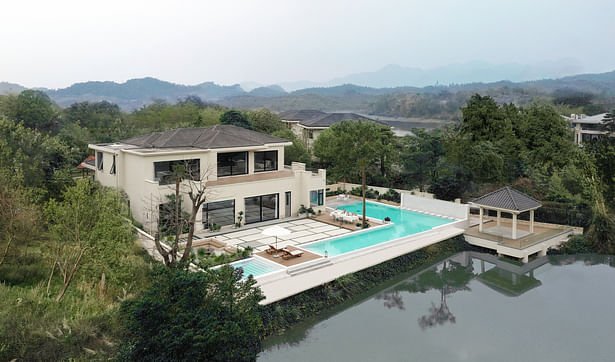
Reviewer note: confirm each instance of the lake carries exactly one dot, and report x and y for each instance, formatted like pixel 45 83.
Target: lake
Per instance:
pixel 470 307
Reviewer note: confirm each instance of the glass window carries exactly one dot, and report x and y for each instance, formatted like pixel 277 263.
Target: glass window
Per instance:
pixel 219 213
pixel 317 197
pixel 261 208
pixel 112 170
pixel 164 171
pixel 265 161
pixel 233 163
pixel 99 160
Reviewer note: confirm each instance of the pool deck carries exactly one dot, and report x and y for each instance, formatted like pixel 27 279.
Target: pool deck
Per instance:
pixel 307 256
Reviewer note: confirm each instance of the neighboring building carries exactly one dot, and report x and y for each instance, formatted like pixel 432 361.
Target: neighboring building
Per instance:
pixel 587 128
pixel 307 124
pixel 244 170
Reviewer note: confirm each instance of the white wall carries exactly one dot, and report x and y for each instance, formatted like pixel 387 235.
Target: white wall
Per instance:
pixel 349 186
pixel 434 206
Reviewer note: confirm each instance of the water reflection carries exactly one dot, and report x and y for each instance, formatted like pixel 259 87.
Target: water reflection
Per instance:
pixel 454 274
pixel 448 277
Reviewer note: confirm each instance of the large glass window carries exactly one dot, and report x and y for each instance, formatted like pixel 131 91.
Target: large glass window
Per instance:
pixel 261 208
pixel 99 160
pixel 232 163
pixel 164 171
pixel 265 161
pixel 317 197
pixel 219 213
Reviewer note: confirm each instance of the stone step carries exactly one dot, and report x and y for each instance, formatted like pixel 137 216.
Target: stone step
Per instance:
pixel 307 268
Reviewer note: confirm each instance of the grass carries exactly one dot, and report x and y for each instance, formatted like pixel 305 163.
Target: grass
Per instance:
pixel 84 325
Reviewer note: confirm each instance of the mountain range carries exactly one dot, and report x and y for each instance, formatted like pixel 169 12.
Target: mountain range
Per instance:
pixel 136 93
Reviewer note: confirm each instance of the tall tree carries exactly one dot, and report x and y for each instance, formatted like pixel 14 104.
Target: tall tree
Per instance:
pixel 190 181
pixel 89 233
pixel 351 146
pixel 295 153
pixel 235 118
pixel 196 316
pixel 265 121
pixel 36 110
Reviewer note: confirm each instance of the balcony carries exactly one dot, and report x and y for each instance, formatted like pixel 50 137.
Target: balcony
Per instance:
pixel 261 176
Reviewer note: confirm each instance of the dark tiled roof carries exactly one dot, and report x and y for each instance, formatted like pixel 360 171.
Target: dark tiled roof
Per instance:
pixel 509 199
pixel 220 136
pixel 301 115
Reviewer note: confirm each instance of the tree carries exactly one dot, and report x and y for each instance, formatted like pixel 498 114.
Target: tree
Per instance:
pixel 89 234
pixel 351 146
pixel 235 118
pixel 192 182
pixel 265 121
pixel 295 153
pixel 420 154
pixel 36 110
pixel 19 219
pixel 197 316
pixel 34 160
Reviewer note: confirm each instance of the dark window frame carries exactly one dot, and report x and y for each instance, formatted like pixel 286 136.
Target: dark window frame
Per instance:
pixel 99 160
pixel 260 198
pixel 206 223
pixel 319 196
pixel 233 171
pixel 274 167
pixel 112 170
pixel 165 176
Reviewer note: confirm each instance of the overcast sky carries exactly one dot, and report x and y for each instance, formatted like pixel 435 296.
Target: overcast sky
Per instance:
pixel 56 43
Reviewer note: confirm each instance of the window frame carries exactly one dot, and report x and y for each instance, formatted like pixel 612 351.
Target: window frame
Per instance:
pixel 99 161
pixel 168 181
pixel 232 172
pixel 205 209
pixel 265 159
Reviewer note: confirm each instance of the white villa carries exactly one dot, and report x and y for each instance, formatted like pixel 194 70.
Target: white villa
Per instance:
pixel 308 124
pixel 587 128
pixel 245 172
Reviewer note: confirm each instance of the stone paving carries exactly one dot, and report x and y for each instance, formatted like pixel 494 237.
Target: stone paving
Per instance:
pixel 303 231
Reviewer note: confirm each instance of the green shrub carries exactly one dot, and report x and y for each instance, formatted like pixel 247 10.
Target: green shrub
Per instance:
pixel 391 195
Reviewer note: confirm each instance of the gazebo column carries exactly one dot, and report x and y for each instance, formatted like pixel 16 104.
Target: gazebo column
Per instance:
pixel 514 226
pixel 499 218
pixel 480 219
pixel 531 221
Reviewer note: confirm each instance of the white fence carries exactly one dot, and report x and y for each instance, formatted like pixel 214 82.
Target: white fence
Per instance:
pixel 434 206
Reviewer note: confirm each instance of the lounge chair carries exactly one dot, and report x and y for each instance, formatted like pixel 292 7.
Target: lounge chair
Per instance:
pixel 272 250
pixel 288 254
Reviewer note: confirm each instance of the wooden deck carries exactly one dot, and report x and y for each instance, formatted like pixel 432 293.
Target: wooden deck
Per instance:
pixel 229 180
pixel 328 219
pixel 541 232
pixel 307 256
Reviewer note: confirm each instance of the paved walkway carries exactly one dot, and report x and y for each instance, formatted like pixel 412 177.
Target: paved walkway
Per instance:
pixel 303 231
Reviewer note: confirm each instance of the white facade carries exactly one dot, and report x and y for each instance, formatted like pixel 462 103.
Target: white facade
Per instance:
pixel 587 128
pixel 135 175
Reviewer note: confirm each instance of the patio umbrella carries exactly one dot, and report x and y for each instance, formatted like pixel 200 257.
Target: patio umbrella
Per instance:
pixel 276 231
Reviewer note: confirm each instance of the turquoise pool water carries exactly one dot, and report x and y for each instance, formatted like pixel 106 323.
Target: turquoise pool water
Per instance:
pixel 405 223
pixel 255 267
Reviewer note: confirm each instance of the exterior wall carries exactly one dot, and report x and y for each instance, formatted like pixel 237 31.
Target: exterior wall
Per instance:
pixel 438 207
pixel 135 176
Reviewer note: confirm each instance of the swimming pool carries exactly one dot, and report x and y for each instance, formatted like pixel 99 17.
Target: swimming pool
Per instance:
pixel 255 267
pixel 404 223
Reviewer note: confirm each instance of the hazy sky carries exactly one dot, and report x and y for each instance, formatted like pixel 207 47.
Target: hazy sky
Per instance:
pixel 56 43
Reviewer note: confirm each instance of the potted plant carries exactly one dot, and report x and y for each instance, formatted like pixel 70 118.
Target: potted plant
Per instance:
pixel 239 219
pixel 387 220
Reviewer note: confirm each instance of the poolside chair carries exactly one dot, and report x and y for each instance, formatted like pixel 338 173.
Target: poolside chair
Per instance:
pixel 272 250
pixel 289 254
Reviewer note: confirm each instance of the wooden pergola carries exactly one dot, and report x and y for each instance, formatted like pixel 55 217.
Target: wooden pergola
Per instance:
pixel 507 200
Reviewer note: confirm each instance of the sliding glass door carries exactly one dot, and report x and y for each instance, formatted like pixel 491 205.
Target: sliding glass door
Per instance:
pixel 261 208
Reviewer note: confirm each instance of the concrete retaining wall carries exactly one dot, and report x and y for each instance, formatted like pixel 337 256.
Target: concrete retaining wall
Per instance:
pixel 345 186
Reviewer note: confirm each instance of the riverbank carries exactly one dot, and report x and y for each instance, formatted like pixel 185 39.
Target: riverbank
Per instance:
pixel 279 316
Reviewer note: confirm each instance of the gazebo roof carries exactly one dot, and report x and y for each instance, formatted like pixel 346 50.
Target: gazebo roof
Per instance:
pixel 507 198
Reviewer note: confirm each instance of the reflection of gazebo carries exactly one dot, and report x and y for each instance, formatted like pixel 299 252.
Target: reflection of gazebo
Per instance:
pixel 510 201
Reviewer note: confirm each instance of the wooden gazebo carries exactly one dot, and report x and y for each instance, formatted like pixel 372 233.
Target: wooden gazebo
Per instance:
pixel 510 201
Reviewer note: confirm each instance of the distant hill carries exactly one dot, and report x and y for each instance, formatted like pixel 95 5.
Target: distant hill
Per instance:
pixel 135 93
pixel 6 88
